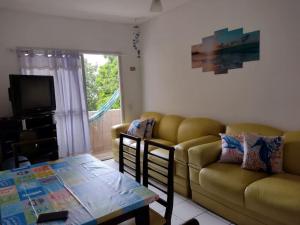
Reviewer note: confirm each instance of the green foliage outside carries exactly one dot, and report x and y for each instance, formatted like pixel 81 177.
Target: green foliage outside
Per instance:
pixel 101 83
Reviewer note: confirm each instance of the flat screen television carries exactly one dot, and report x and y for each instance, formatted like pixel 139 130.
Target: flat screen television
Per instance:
pixel 31 94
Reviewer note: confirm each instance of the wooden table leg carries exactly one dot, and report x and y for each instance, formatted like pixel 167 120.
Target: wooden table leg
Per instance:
pixel 143 218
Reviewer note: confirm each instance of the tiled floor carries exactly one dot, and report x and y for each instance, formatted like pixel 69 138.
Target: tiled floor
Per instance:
pixel 184 209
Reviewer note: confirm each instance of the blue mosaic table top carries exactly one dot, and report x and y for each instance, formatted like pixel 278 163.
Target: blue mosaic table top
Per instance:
pixel 91 191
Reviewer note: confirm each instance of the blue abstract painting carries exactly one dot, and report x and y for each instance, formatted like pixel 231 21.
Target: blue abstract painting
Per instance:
pixel 226 50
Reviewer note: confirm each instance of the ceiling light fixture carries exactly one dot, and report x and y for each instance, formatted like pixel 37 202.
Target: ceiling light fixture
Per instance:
pixel 156 6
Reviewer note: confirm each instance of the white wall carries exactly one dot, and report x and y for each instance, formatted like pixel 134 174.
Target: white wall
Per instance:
pixel 30 30
pixel 265 91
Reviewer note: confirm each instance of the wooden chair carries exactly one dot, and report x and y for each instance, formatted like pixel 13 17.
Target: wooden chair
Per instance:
pixel 164 168
pixel 129 159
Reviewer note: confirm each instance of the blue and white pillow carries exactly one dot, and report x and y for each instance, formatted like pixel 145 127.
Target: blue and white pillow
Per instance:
pixel 232 148
pixel 149 128
pixel 137 128
pixel 263 153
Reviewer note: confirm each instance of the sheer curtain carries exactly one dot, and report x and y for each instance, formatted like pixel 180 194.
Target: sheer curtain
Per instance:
pixel 71 112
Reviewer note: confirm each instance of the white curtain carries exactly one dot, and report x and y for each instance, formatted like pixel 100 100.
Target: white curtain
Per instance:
pixel 71 112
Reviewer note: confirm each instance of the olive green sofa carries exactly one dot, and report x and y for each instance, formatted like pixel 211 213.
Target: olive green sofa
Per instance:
pixel 174 130
pixel 243 196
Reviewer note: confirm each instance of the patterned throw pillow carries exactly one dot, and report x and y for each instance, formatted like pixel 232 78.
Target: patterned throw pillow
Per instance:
pixel 137 128
pixel 232 148
pixel 263 153
pixel 149 128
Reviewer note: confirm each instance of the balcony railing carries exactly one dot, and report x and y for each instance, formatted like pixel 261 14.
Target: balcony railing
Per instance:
pixel 100 132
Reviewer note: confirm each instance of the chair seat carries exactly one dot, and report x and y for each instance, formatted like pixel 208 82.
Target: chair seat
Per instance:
pixel 228 181
pixel 277 196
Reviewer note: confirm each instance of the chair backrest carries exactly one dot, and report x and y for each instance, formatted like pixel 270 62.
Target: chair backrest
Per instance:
pixel 129 156
pixel 40 150
pixel 158 172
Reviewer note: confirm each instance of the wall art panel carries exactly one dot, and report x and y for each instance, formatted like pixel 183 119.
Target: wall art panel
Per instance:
pixel 226 50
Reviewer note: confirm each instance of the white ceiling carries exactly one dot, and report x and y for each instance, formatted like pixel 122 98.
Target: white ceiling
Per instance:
pixel 123 11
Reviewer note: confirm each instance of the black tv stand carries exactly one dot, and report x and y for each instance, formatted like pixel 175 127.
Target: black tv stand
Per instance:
pixel 12 130
pixel 33 114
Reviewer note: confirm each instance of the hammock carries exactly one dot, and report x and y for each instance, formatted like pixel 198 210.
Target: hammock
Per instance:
pixel 107 106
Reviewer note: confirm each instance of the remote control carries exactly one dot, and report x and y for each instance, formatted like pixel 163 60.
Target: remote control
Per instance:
pixel 45 217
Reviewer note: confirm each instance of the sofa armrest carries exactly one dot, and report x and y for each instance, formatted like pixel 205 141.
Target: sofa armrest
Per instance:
pixel 202 155
pixel 119 128
pixel 181 149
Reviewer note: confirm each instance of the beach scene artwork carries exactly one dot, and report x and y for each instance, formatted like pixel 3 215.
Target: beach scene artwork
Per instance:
pixel 226 50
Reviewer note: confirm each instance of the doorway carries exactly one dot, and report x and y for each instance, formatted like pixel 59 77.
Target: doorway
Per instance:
pixel 102 81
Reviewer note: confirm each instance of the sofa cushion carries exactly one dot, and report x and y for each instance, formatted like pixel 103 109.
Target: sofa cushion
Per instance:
pixel 191 128
pixel 132 144
pixel 163 163
pixel 291 152
pixel 168 128
pixel 180 170
pixel 159 151
pixel 126 141
pixel 277 197
pixel 152 148
pixel 162 141
pixel 157 117
pixel 235 129
pixel 162 166
pixel 228 181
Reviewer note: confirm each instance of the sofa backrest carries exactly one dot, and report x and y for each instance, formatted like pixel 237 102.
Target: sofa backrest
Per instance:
pixel 157 117
pixel 239 128
pixel 291 152
pixel 191 128
pixel 168 127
